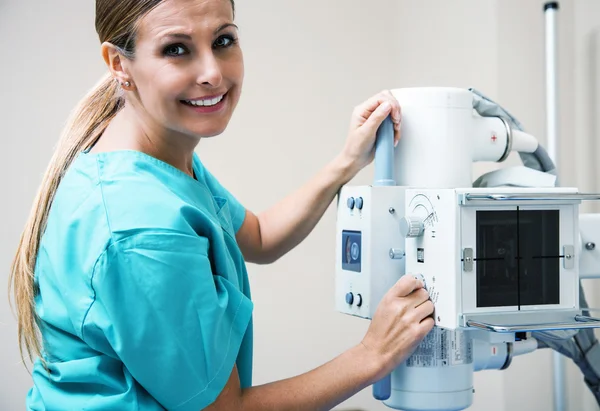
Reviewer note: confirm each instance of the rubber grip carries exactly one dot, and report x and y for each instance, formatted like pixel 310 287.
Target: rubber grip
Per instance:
pixel 382 389
pixel 384 154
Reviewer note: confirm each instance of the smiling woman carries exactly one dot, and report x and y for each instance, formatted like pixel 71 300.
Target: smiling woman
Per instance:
pixel 132 265
pixel 184 77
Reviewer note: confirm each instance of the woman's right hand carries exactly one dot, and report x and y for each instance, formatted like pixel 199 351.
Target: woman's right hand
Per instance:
pixel 401 321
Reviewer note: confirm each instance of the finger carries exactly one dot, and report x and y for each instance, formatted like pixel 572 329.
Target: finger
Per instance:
pixel 377 117
pixel 406 285
pixel 424 310
pixel 368 107
pixel 426 325
pixel 418 297
pixel 397 134
pixel 396 109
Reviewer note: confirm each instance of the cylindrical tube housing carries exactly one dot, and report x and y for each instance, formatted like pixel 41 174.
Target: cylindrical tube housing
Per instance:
pixel 436 147
pixel 488 356
pixel 438 376
pixel 523 142
pixel 490 139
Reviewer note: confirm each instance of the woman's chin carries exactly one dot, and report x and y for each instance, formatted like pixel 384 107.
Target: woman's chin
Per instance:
pixel 207 132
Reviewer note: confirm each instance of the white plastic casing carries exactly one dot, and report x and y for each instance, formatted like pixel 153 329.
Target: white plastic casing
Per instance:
pixel 379 232
pixel 436 256
pixel 450 228
pixel 442 136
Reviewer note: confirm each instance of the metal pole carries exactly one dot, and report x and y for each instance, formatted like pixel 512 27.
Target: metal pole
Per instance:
pixel 551 11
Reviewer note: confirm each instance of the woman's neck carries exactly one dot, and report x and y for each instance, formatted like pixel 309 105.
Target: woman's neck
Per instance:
pixel 130 131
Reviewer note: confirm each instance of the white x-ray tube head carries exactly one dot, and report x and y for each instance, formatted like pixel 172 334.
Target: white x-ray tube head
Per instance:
pixel 443 116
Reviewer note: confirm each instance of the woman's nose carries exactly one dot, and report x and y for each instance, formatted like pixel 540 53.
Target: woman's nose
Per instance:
pixel 210 73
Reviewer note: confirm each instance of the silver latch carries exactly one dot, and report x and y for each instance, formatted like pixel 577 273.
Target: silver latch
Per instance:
pixel 569 256
pixel 468 259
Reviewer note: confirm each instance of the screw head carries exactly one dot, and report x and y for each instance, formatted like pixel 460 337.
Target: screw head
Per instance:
pixel 392 210
pixel 590 246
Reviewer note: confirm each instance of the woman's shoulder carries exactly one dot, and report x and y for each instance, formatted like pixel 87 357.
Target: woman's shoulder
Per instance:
pixel 138 192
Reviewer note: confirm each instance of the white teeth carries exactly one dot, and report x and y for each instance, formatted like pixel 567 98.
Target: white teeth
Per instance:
pixel 205 103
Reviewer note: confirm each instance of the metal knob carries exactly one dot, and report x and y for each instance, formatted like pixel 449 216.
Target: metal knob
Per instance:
pixel 411 227
pixel 396 254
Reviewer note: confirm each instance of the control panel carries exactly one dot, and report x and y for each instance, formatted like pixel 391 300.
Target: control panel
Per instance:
pixel 367 238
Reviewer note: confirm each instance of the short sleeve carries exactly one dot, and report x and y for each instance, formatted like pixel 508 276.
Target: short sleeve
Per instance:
pixel 237 210
pixel 175 326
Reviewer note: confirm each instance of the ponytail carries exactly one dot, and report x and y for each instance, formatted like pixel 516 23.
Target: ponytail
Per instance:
pixel 85 126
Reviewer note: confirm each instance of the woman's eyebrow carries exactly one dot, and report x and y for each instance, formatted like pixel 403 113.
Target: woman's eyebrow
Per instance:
pixel 186 36
pixel 178 35
pixel 224 26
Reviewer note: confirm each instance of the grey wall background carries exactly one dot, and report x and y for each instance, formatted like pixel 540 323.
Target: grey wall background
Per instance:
pixel 308 63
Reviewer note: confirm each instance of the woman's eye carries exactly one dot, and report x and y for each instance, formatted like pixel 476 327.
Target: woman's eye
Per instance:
pixel 224 42
pixel 175 50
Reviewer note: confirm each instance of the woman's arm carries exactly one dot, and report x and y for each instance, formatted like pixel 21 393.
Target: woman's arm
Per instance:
pixel 268 236
pixel 401 321
pixel 320 389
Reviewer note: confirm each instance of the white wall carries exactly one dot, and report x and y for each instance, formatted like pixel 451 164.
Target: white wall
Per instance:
pixel 307 64
pixel 53 60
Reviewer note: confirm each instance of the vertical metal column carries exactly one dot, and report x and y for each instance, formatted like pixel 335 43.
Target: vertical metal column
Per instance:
pixel 552 125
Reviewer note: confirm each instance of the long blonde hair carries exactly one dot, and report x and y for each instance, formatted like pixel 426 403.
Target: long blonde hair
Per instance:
pixel 116 23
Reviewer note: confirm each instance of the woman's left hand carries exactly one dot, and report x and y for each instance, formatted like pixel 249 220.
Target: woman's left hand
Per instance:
pixel 359 150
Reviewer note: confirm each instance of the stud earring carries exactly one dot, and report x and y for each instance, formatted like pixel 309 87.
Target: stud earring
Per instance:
pixel 127 84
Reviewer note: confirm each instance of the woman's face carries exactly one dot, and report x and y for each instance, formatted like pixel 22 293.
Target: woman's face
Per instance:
pixel 188 68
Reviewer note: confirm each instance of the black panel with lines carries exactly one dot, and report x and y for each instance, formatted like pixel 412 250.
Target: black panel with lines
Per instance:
pixel 518 258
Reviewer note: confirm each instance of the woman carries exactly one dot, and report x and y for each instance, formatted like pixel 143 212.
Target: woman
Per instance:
pixel 132 264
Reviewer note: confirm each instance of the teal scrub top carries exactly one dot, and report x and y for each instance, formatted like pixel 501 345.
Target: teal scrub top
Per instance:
pixel 144 301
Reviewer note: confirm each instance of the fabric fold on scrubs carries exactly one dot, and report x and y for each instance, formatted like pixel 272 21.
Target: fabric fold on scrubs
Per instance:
pixel 176 327
pixel 144 298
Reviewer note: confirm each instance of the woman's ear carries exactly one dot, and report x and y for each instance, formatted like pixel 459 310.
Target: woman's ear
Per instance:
pixel 114 62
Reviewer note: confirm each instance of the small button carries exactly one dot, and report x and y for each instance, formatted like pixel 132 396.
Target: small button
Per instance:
pixel 349 298
pixel 358 300
pixel 354 251
pixel 350 203
pixel 359 203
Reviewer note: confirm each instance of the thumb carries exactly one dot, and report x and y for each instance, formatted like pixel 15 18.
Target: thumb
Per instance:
pixel 377 117
pixel 406 285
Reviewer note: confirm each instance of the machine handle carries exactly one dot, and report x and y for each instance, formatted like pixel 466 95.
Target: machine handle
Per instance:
pixel 580 321
pixel 382 389
pixel 529 197
pixel 384 154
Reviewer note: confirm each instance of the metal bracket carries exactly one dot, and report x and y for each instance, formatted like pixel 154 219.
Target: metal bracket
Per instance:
pixel 579 321
pixel 569 260
pixel 463 199
pixel 468 260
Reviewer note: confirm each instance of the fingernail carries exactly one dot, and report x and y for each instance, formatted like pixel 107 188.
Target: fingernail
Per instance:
pixel 385 105
pixel 396 143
